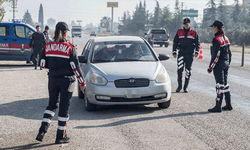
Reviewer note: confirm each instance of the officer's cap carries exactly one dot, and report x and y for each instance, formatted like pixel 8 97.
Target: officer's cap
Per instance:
pixel 186 21
pixel 62 26
pixel 217 23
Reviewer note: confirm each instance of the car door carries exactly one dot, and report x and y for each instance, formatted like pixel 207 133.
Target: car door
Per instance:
pixel 4 45
pixel 85 53
pixel 19 46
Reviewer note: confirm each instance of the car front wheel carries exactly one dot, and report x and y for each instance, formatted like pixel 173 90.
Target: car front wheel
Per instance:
pixel 87 105
pixel 164 104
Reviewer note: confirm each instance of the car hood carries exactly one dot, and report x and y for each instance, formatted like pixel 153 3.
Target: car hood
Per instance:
pixel 121 70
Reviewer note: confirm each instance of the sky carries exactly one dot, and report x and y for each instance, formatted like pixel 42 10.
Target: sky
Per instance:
pixel 91 11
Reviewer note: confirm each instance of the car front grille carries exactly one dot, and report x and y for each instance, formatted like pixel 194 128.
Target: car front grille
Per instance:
pixel 131 82
pixel 122 99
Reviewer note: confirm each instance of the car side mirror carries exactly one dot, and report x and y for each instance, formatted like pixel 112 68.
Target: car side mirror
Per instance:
pixel 163 57
pixel 82 59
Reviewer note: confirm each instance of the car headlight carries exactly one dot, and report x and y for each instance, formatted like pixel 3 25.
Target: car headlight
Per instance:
pixel 98 79
pixel 162 76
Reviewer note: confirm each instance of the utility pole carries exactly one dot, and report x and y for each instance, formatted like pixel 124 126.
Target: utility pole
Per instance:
pixel 14 6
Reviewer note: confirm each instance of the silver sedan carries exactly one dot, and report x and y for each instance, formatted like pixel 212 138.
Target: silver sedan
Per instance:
pixel 121 70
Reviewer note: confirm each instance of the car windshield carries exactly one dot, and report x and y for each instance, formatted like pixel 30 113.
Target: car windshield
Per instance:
pixel 121 51
pixel 158 32
pixel 76 30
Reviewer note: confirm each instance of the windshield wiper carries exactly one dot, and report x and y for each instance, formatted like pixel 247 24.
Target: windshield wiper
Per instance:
pixel 101 60
pixel 127 59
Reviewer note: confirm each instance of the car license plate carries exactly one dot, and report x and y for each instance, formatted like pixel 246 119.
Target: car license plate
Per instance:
pixel 135 93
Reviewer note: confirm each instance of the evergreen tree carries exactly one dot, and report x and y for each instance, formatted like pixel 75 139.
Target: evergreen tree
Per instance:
pixel 236 12
pixel 123 26
pixel 244 13
pixel 209 13
pixel 248 19
pixel 146 12
pixel 177 18
pixel 157 15
pixel 40 16
pixel 222 12
pixel 138 20
pixel 166 18
pixel 27 18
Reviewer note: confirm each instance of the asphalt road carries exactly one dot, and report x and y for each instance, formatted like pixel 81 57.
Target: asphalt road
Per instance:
pixel 185 125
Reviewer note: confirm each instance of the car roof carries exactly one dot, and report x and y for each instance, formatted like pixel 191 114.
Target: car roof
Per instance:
pixel 157 29
pixel 117 38
pixel 7 23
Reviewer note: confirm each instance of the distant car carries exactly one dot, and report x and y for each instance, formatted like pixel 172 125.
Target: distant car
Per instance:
pixel 92 34
pixel 14 41
pixel 157 36
pixel 121 70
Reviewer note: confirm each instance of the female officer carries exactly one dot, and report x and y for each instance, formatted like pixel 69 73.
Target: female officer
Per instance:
pixel 60 58
pixel 219 64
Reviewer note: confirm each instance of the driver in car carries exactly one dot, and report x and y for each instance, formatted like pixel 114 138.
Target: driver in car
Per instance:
pixel 134 52
pixel 103 55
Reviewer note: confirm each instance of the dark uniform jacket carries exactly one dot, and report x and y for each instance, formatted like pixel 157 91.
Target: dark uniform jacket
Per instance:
pixel 37 39
pixel 220 52
pixel 186 41
pixel 61 60
pixel 46 35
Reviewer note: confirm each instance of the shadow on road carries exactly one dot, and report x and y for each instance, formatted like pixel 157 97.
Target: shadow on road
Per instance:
pixel 34 109
pixel 15 66
pixel 28 146
pixel 121 122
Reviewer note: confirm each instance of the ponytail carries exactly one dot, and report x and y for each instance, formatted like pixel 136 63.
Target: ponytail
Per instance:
pixel 222 30
pixel 59 35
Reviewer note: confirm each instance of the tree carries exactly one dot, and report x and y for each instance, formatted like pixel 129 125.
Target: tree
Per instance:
pixel 27 18
pixel 209 13
pixel 236 12
pixel 40 16
pixel 244 12
pixel 177 18
pixel 126 21
pixel 138 20
pixel 222 15
pixel 248 20
pixel 166 18
pixel 2 10
pixel 157 15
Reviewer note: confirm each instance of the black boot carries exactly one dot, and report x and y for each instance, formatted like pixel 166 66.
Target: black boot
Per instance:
pixel 65 139
pixel 40 136
pixel 179 86
pixel 216 108
pixel 228 105
pixel 185 86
